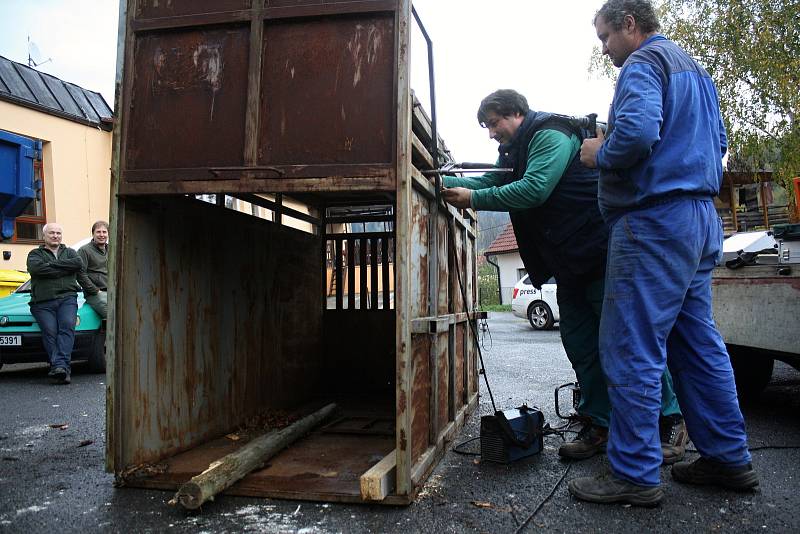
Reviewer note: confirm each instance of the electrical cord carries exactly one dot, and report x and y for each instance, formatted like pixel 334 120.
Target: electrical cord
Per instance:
pixel 547 498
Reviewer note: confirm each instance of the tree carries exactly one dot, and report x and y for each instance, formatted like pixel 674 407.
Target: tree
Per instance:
pixel 751 48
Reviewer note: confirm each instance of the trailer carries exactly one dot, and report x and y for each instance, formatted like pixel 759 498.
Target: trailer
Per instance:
pixel 278 248
pixel 756 299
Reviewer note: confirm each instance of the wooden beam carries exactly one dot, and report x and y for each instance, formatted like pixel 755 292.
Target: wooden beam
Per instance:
pixel 233 467
pixel 380 480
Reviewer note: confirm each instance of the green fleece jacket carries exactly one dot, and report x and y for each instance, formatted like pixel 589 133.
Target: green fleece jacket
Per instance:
pixel 51 277
pixel 94 274
pixel 549 154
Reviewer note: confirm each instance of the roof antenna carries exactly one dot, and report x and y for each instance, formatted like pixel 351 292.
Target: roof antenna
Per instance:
pixel 34 56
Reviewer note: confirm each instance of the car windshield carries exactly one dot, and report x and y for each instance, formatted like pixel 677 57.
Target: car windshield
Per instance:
pixel 24 288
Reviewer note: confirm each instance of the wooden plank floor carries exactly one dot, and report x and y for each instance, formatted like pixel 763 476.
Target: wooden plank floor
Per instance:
pixel 322 466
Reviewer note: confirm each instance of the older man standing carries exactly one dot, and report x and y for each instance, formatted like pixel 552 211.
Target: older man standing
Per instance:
pixel 660 168
pixel 93 277
pixel 54 289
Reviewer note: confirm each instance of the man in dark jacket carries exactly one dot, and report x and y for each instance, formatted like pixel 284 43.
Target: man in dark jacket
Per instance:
pixel 660 167
pixel 93 277
pixel 54 290
pixel 552 199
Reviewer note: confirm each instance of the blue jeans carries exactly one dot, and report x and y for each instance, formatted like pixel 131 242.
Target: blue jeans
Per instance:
pixel 657 312
pixel 56 320
pixel 580 306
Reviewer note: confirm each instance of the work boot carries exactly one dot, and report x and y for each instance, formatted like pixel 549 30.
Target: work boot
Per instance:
pixel 58 375
pixel 707 472
pixel 590 440
pixel 674 438
pixel 607 489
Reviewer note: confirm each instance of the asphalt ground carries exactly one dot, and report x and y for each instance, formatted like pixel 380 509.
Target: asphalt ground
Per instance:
pixel 53 479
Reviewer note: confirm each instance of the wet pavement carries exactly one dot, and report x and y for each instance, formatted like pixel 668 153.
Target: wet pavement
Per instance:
pixel 52 476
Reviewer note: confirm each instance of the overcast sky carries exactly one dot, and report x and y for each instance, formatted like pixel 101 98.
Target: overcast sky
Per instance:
pixel 538 47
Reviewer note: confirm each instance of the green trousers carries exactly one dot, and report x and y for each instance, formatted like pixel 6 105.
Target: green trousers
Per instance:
pixel 579 309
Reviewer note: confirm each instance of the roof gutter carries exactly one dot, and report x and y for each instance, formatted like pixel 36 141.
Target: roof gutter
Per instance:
pixel 497 268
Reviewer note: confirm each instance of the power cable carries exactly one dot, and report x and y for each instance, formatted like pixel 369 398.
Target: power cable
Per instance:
pixel 544 501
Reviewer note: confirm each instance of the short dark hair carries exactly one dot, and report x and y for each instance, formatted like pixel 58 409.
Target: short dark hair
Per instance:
pixel 96 225
pixel 503 102
pixel 642 11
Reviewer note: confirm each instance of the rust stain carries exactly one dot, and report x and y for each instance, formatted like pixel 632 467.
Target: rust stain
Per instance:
pixel 791 281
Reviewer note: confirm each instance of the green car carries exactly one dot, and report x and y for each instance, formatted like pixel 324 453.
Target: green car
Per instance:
pixel 21 338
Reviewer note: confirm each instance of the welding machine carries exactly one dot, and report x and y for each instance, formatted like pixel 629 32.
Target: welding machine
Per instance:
pixel 510 435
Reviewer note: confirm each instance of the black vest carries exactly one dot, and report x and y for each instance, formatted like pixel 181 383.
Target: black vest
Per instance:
pixel 565 237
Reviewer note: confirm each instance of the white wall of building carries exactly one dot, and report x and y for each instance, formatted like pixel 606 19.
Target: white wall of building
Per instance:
pixel 509 265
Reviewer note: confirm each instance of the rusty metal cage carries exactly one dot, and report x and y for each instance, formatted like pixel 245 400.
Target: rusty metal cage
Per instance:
pixel 219 314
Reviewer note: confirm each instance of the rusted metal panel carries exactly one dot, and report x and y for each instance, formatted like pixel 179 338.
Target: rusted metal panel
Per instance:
pixel 421 396
pixel 420 248
pixel 188 81
pixel 331 100
pixel 204 339
pixel 174 8
pixel 443 377
pixel 461 365
pixel 444 302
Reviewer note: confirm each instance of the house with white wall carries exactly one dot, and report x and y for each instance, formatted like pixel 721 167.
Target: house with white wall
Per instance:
pixel 504 254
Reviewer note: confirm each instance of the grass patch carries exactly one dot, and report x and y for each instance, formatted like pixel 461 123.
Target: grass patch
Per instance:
pixel 495 307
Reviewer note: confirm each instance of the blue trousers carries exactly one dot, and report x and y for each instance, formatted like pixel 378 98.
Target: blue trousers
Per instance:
pixel 657 311
pixel 56 320
pixel 580 307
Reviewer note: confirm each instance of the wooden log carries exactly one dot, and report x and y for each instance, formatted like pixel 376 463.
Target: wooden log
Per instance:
pixel 229 469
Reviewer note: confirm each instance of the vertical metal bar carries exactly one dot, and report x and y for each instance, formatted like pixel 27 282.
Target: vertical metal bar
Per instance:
pixel 363 274
pixel 764 203
pixel 351 274
pixel 373 271
pixel 404 364
pixel 115 370
pixel 279 208
pixel 385 271
pixel 338 263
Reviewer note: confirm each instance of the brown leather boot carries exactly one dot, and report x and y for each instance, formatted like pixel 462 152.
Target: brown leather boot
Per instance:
pixel 590 440
pixel 674 438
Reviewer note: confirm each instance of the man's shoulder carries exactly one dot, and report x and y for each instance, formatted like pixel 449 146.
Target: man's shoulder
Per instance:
pixel 664 55
pixel 553 134
pixel 36 251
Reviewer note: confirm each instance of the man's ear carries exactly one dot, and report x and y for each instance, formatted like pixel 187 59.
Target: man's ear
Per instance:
pixel 629 23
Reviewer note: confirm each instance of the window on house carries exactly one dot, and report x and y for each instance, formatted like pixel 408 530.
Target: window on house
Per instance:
pixel 28 226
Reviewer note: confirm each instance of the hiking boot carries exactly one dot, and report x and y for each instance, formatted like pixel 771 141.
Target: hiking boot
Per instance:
pixel 590 440
pixel 607 489
pixel 707 472
pixel 59 374
pixel 674 438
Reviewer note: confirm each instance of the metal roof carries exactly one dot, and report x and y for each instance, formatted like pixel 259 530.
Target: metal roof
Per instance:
pixel 28 87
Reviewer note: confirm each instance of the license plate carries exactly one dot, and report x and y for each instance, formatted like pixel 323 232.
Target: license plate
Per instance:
pixel 14 341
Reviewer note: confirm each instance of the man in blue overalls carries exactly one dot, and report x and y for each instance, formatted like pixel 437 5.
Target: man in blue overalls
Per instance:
pixel 660 167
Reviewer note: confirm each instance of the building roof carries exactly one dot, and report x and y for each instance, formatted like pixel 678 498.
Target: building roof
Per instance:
pixel 28 87
pixel 505 243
